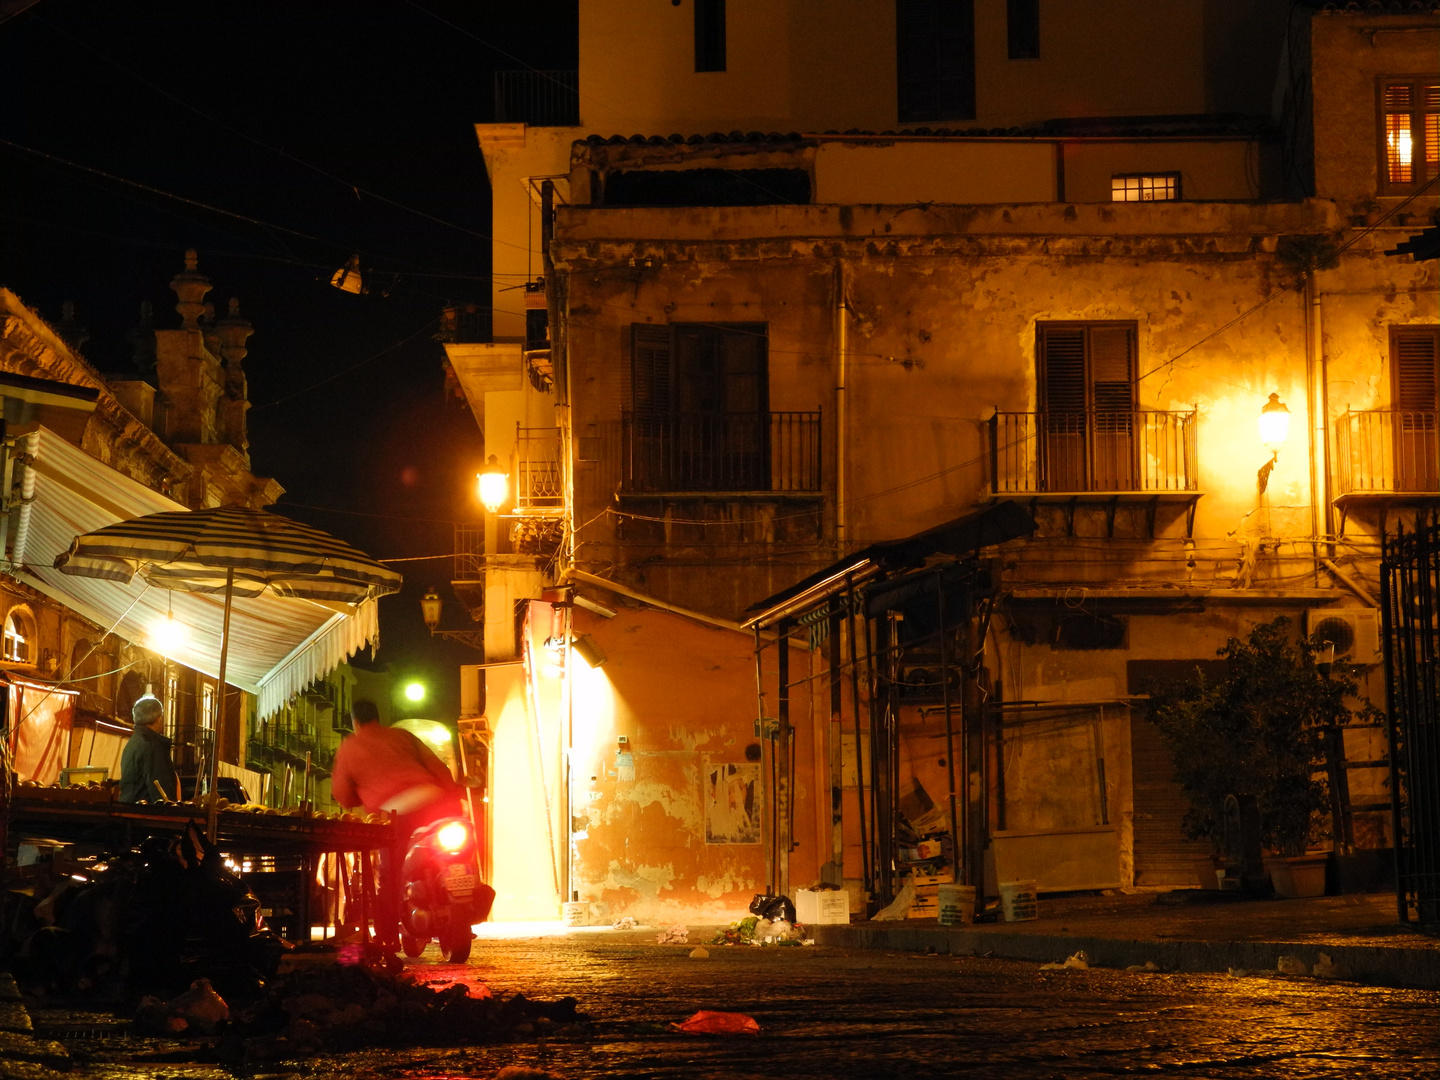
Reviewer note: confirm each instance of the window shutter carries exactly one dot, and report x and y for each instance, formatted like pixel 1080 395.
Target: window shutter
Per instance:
pixel 935 59
pixel 1415 369
pixel 1111 372
pixel 651 370
pixel 1063 369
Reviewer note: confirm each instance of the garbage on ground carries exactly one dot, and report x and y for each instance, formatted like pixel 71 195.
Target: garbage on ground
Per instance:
pixel 1148 965
pixel 1241 973
pixel 1076 962
pixel 699 952
pixel 198 1009
pixel 625 923
pixel 1288 965
pixel 752 930
pixel 675 935
pixel 765 906
pixel 898 908
pixel 709 1022
pixel 1328 969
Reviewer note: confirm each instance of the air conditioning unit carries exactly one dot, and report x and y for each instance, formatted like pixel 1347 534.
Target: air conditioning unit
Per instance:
pixel 1355 633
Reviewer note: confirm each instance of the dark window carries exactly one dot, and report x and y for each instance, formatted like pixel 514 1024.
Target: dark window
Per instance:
pixel 709 35
pixel 1415 361
pixel 1409 135
pixel 700 420
pixel 935 59
pixel 707 187
pixel 1087 400
pixel 1022 28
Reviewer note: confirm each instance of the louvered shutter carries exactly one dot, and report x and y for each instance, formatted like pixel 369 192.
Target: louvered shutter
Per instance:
pixel 652 398
pixel 1415 355
pixel 1112 399
pixel 1063 421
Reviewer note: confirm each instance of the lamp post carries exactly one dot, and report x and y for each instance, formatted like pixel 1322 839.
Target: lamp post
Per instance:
pixel 430 607
pixel 1274 428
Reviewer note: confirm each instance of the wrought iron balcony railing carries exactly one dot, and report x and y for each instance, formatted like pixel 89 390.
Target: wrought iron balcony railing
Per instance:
pixel 1140 450
pixel 778 451
pixel 539 479
pixel 1387 451
pixel 538 98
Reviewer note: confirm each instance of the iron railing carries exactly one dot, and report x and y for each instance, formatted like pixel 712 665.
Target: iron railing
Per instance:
pixel 1409 571
pixel 539 480
pixel 1138 450
pixel 538 98
pixel 670 451
pixel 1382 451
pixel 469 552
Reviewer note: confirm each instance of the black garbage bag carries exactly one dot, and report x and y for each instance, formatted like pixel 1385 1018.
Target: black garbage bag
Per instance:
pixel 772 907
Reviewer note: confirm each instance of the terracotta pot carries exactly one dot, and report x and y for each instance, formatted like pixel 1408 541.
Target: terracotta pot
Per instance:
pixel 1296 876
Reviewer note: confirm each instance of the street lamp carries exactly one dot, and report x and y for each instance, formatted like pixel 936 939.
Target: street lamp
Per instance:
pixel 430 610
pixel 494 485
pixel 414 692
pixel 430 607
pixel 1274 428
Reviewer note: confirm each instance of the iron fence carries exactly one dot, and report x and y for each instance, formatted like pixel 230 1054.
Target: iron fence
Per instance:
pixel 778 451
pixel 538 98
pixel 1410 581
pixel 1135 450
pixel 1379 451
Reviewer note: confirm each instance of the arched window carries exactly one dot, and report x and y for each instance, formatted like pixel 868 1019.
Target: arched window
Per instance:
pixel 19 643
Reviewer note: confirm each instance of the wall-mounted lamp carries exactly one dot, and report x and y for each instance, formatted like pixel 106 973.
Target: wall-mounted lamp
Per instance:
pixel 430 606
pixel 1274 428
pixel 1324 657
pixel 493 485
pixel 589 651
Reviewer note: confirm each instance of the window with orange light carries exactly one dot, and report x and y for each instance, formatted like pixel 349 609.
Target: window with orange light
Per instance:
pixel 1409 133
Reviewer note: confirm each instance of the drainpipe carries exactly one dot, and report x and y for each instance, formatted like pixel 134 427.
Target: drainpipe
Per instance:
pixel 842 370
pixel 1322 365
pixel 1316 435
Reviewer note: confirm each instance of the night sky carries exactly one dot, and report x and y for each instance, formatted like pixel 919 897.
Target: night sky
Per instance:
pixel 300 126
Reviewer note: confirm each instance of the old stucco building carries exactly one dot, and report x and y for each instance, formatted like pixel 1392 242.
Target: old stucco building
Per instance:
pixel 874 286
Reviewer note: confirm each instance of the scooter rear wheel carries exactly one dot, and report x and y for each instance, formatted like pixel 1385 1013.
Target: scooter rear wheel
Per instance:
pixel 455 945
pixel 410 945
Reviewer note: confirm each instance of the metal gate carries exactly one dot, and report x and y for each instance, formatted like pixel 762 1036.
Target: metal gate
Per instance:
pixel 1410 580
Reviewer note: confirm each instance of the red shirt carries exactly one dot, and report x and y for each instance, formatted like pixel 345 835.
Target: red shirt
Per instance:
pixel 377 763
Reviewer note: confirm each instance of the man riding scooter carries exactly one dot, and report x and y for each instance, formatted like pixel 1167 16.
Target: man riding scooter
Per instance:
pixel 389 769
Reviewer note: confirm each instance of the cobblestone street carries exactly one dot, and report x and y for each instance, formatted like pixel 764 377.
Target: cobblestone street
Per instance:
pixel 831 1012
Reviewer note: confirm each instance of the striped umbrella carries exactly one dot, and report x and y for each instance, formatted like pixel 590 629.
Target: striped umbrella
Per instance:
pixel 232 550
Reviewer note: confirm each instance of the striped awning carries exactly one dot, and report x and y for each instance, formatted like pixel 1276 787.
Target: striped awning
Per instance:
pixel 279 645
pixel 197 550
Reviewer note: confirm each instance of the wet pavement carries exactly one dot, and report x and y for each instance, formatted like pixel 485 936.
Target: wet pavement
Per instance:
pixel 828 1011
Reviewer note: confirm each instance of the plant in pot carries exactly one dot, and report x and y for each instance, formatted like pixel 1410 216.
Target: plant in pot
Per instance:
pixel 1258 733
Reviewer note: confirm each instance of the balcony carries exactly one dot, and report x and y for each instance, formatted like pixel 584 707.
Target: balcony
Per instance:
pixel 675 453
pixel 539 479
pixel 538 98
pixel 1384 457
pixel 1140 455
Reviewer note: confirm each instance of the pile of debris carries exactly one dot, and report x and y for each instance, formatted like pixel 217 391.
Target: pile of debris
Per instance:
pixel 342 1007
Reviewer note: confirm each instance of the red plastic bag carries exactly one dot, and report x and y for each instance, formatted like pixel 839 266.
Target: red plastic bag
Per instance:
pixel 708 1022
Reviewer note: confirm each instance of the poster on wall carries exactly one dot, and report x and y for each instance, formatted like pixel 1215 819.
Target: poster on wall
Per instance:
pixel 732 810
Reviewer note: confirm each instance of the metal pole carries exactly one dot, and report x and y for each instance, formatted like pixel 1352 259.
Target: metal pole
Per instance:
pixel 782 769
pixel 859 746
pixel 956 846
pixel 212 814
pixel 837 773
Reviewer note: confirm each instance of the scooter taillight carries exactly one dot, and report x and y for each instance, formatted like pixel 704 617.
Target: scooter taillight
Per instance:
pixel 453 836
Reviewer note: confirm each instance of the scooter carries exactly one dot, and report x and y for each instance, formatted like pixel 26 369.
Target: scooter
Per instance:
pixel 443 894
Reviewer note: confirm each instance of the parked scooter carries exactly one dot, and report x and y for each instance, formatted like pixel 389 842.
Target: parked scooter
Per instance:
pixel 443 894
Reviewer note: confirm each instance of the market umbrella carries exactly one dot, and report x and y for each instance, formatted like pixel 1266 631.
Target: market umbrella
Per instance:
pixel 232 550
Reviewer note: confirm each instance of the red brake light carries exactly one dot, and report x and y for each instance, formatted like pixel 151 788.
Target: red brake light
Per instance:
pixel 453 836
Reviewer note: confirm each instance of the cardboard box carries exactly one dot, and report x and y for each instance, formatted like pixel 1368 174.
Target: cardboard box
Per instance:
pixel 822 906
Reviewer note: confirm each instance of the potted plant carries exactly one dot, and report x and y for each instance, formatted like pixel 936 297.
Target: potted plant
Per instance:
pixel 1257 733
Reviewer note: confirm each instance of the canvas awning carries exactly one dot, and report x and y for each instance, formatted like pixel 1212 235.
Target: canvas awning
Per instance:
pixel 277 646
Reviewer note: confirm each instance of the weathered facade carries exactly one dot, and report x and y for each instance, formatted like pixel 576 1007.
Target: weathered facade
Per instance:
pixel 768 351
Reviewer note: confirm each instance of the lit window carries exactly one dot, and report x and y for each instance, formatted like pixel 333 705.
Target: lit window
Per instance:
pixel 18 635
pixel 1410 133
pixel 172 698
pixel 207 707
pixel 1145 187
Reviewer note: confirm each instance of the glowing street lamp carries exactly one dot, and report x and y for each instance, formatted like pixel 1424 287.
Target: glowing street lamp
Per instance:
pixel 494 485
pixel 414 692
pixel 430 610
pixel 1274 428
